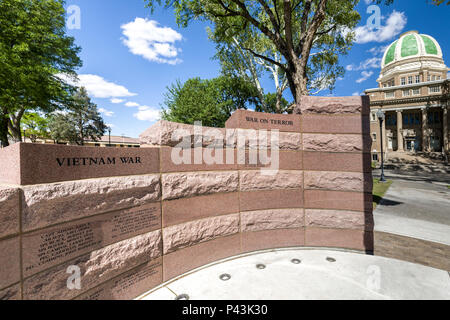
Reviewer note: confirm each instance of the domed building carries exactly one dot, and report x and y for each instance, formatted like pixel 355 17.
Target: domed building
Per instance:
pixel 413 94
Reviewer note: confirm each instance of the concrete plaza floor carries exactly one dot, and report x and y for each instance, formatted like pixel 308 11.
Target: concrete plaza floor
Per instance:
pixel 416 205
pixel 303 273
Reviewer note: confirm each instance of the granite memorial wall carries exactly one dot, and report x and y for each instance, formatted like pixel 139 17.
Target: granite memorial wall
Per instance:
pixel 107 223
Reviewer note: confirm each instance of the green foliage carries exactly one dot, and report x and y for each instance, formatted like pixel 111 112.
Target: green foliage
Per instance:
pixel 308 35
pixel 210 101
pixel 81 121
pixel 379 190
pixel 271 104
pixel 35 126
pixel 34 49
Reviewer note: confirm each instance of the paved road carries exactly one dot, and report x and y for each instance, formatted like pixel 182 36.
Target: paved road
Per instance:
pixel 417 205
pixel 350 276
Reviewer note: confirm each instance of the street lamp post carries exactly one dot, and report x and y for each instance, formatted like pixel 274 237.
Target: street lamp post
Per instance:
pixel 109 139
pixel 380 115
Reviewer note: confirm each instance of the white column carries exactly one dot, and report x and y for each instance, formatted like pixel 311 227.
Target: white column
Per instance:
pixel 425 137
pixel 445 128
pixel 399 131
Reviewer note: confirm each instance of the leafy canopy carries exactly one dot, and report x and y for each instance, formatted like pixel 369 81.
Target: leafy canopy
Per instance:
pixel 80 122
pixel 210 101
pixel 308 34
pixel 34 49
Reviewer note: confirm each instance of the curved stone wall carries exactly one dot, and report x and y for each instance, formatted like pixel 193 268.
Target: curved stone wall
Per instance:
pixel 126 220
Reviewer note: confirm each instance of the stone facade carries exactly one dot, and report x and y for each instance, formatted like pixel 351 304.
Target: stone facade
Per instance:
pixel 91 233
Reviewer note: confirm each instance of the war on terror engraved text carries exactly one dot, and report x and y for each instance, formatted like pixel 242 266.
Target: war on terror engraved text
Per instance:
pixel 88 161
pixel 270 121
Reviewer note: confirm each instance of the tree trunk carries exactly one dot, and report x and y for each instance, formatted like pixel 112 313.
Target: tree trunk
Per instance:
pixel 14 125
pixel 16 133
pixel 4 129
pixel 279 97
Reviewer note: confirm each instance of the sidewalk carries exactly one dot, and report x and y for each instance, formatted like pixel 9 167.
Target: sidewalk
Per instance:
pixel 416 206
pixel 350 276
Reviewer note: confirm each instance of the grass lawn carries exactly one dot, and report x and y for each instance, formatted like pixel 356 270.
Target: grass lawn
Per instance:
pixel 379 190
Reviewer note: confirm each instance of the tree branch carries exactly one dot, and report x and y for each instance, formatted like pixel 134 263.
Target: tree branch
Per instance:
pixel 305 44
pixel 275 37
pixel 269 12
pixel 288 26
pixel 265 58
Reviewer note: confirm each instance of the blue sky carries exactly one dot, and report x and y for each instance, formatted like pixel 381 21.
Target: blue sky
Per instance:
pixel 130 56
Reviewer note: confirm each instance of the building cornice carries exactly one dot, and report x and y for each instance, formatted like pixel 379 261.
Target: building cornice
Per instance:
pixel 406 86
pixel 426 99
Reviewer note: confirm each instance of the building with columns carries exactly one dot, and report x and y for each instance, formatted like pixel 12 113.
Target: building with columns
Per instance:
pixel 413 93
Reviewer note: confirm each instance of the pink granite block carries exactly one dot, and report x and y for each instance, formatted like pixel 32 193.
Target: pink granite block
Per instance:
pixel 272 239
pixel 333 105
pixel 48 204
pixel 128 285
pixel 246 119
pixel 9 210
pixel 44 163
pixel 95 268
pixel 190 233
pixel 9 262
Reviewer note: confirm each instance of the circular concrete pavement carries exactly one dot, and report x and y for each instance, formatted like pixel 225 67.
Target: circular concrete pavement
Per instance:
pixel 302 273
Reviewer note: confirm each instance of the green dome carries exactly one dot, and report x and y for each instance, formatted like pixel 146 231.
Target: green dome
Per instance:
pixel 411 44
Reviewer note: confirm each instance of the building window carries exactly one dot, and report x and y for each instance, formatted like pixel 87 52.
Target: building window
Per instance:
pixel 406 93
pixel 374 116
pixel 403 81
pixel 418 79
pixel 392 82
pixel 388 120
pixel 374 136
pixel 429 78
pixel 433 78
pixel 410 80
pixel 417 118
pixel 416 92
pixel 436 118
pixel 439 77
pixel 405 119
pixel 389 94
pixel 375 157
pixel 435 89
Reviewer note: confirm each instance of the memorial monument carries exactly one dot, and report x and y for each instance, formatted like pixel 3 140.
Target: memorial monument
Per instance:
pixel 104 223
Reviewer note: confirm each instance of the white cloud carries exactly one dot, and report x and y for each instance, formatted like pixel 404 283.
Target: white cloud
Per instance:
pixel 110 125
pixel 116 101
pixel 145 38
pixel 106 112
pixel 394 25
pixel 356 94
pixel 380 50
pixel 368 1
pixel 97 87
pixel 147 113
pixel 364 76
pixel 367 64
pixel 131 104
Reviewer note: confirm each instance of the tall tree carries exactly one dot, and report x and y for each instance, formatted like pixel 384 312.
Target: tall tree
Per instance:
pixel 210 101
pixel 34 126
pixel 34 48
pixel 81 121
pixel 309 34
pixel 237 61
